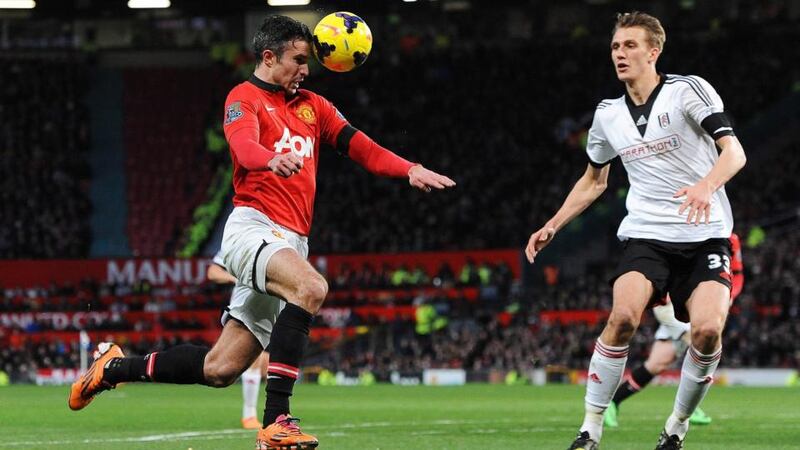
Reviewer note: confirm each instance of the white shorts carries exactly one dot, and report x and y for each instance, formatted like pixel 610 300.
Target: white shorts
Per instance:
pixel 249 241
pixel 669 328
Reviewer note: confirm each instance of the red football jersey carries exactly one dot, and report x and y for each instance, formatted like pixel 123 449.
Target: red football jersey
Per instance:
pixel 298 124
pixel 737 267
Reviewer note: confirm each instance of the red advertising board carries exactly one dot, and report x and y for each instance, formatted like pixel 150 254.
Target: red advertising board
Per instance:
pixel 167 271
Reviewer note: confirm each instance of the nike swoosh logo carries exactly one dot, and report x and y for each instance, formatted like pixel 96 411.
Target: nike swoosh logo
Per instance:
pixel 269 109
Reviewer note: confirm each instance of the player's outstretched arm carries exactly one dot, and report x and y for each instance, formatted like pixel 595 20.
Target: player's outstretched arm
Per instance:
pixel 588 188
pixel 425 180
pixel 381 161
pixel 698 197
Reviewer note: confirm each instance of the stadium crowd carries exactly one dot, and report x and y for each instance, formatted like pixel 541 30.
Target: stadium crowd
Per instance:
pixel 441 120
pixel 502 332
pixel 44 165
pixel 530 131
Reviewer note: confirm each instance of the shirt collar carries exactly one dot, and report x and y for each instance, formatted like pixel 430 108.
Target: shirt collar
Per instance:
pixel 264 85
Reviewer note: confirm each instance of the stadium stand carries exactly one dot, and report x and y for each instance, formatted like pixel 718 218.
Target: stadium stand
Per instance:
pixel 167 165
pixel 44 171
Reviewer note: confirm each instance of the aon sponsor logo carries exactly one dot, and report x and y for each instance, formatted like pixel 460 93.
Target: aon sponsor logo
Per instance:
pixel 299 145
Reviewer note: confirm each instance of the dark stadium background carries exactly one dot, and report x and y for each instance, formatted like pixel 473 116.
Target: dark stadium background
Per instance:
pixel 111 167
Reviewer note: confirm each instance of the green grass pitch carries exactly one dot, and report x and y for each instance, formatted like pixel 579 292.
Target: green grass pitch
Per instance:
pixel 387 417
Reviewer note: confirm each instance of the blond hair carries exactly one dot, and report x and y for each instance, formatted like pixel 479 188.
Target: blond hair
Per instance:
pixel 655 32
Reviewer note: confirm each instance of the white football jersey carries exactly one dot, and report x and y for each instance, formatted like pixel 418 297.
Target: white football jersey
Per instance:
pixel 666 144
pixel 219 260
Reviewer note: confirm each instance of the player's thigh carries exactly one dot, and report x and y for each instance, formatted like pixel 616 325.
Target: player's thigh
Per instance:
pixel 708 308
pixel 632 293
pixel 234 351
pixel 257 312
pixel 707 279
pixel 249 241
pixel 640 277
pixel 291 277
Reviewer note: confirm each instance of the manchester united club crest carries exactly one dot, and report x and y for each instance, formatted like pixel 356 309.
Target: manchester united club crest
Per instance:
pixel 663 120
pixel 306 113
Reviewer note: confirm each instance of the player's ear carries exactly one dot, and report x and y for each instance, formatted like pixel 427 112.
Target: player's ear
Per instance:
pixel 268 57
pixel 654 53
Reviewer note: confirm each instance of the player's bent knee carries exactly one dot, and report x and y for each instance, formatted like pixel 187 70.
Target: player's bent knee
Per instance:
pixel 311 293
pixel 220 376
pixel 705 336
pixel 220 373
pixel 623 321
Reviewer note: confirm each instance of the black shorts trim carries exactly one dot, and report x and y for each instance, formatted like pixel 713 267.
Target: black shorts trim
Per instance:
pixel 226 315
pixel 254 280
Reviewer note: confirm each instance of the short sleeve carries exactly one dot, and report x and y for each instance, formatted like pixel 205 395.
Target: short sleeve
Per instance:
pixel 699 99
pixel 598 149
pixel 218 260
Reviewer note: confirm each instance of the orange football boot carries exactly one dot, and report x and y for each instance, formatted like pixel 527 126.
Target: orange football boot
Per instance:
pixel 284 434
pixel 91 383
pixel 251 423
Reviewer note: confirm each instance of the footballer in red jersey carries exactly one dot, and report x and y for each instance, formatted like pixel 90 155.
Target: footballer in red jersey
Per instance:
pixel 274 130
pixel 671 342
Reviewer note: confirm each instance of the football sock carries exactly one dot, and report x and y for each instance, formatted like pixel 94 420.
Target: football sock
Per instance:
pixel 182 364
pixel 696 378
pixel 640 377
pixel 251 383
pixel 287 345
pixel 676 426
pixel 605 372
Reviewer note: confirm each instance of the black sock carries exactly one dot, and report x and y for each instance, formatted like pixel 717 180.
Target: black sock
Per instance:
pixel 640 377
pixel 182 364
pixel 287 345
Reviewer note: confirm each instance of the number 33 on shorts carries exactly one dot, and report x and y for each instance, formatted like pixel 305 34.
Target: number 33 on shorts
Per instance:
pixel 716 261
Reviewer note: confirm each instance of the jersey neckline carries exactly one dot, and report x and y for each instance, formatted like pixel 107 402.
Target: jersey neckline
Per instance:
pixel 640 114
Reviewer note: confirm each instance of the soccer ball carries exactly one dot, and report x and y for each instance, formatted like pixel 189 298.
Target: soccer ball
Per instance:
pixel 342 41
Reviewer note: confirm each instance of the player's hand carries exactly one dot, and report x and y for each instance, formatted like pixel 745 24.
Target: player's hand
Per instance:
pixel 698 202
pixel 285 164
pixel 424 179
pixel 539 240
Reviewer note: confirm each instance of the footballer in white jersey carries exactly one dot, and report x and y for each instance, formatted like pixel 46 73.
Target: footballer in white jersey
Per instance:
pixel 666 130
pixel 665 144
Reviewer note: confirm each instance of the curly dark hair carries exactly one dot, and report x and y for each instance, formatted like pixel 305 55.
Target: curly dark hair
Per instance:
pixel 276 32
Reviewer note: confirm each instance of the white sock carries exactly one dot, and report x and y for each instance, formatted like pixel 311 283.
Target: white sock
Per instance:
pixel 605 373
pixel 251 384
pixel 696 378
